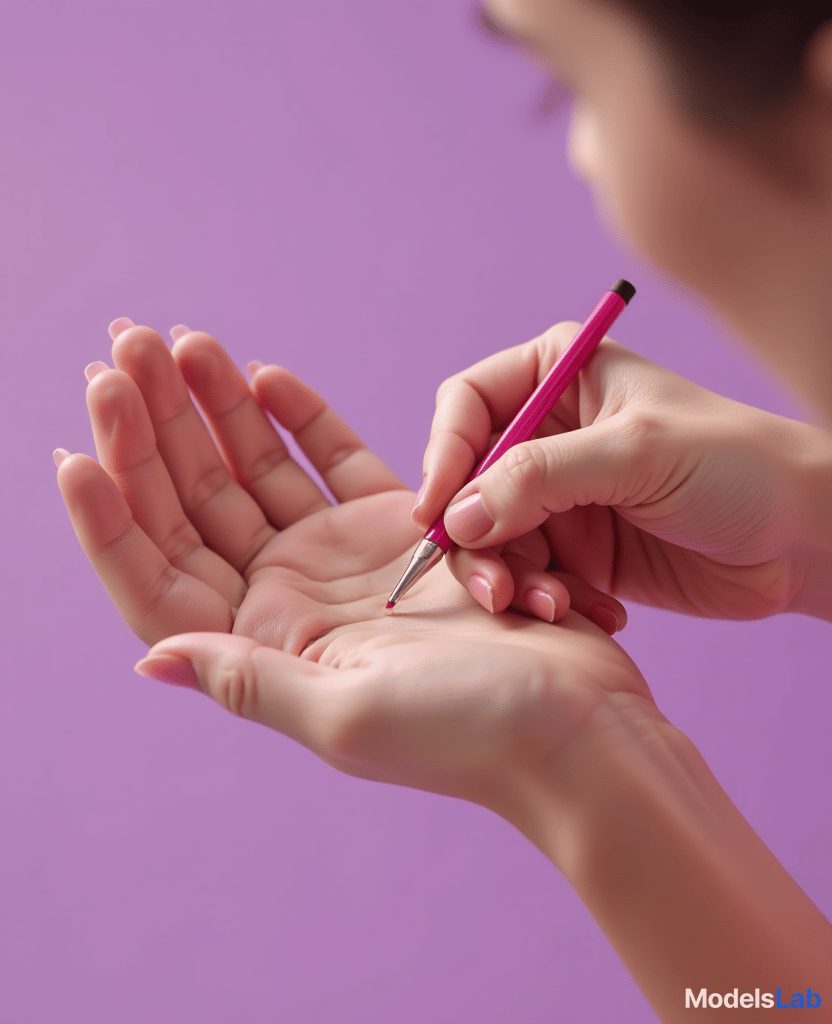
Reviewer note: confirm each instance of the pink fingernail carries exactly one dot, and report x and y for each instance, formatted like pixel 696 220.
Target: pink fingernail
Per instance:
pixel 59 455
pixel 177 332
pixel 467 521
pixel 541 604
pixel 254 366
pixel 117 326
pixel 420 495
pixel 94 369
pixel 482 591
pixel 168 668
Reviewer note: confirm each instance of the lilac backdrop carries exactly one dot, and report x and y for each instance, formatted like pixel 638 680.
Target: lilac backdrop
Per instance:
pixel 357 191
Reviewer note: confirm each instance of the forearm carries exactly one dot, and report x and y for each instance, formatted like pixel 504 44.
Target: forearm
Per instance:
pixel 683 888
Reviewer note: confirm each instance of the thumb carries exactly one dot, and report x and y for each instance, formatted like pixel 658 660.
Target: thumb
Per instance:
pixel 532 480
pixel 279 690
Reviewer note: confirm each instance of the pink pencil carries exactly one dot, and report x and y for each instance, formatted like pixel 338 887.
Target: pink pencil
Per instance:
pixel 436 542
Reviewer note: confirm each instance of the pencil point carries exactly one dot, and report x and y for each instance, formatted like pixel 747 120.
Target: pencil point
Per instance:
pixel 389 604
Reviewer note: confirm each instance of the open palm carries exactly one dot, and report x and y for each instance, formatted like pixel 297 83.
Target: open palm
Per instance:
pixel 194 534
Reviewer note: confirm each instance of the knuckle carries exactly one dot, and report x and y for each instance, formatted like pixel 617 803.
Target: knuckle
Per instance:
pixel 560 335
pixel 236 687
pixel 445 445
pixel 526 465
pixel 448 385
pixel 163 588
pixel 642 431
pixel 565 329
pixel 207 486
pixel 181 541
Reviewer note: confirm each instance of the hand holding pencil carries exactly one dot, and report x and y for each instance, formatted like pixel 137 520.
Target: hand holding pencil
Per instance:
pixel 640 485
pixel 522 428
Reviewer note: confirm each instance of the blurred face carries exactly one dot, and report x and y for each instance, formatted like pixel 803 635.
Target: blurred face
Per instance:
pixel 743 219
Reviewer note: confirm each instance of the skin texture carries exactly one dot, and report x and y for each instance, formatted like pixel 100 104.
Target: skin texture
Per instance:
pixel 197 545
pixel 643 484
pixel 227 554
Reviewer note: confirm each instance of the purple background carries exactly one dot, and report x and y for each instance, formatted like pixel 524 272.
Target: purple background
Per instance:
pixel 357 191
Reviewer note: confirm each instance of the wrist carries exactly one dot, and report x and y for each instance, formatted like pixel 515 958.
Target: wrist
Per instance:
pixel 683 888
pixel 561 803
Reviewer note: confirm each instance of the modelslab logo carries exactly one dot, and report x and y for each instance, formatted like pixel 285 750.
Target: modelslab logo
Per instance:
pixel 733 1000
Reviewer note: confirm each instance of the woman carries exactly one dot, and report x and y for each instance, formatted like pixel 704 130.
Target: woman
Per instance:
pixel 707 138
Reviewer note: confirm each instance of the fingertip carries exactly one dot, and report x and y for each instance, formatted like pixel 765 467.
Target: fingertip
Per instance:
pixel 119 326
pixel 541 604
pixel 179 331
pixel 418 513
pixel 500 590
pixel 545 598
pixel 467 522
pixel 561 595
pixel 93 370
pixel 482 591
pixel 604 617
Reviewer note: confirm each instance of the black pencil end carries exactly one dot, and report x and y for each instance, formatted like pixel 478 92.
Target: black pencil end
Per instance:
pixel 624 289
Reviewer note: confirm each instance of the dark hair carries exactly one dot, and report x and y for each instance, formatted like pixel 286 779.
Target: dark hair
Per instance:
pixel 727 61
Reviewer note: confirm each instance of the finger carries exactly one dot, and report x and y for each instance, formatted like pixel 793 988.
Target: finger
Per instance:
pixel 349 469
pixel 154 597
pixel 486 574
pixel 126 445
pixel 594 604
pixel 255 451
pixel 549 593
pixel 306 701
pixel 426 511
pixel 514 580
pixel 536 592
pixel 473 404
pixel 604 463
pixel 227 517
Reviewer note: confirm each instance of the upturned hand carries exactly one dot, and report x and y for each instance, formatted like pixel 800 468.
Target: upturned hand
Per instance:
pixel 224 552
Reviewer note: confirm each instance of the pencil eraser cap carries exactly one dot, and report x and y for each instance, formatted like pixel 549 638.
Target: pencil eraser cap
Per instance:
pixel 624 289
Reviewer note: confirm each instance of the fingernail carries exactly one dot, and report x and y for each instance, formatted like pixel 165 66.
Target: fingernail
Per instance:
pixel 94 369
pixel 541 604
pixel 59 455
pixel 177 332
pixel 467 520
pixel 420 495
pixel 254 366
pixel 603 617
pixel 117 326
pixel 482 591
pixel 168 668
